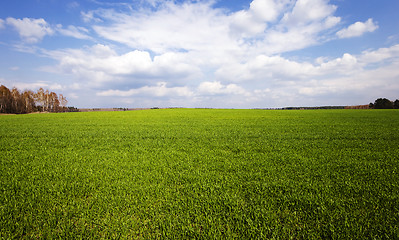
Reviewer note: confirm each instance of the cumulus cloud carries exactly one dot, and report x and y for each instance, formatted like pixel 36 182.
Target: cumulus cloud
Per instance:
pixel 357 29
pixel 380 55
pixel 100 64
pixel 304 24
pixel 159 90
pixel 282 82
pixel 217 88
pixel 2 25
pixel 266 10
pixel 345 65
pixel 248 23
pixel 209 37
pixel 307 11
pixel 355 74
pixel 292 81
pixel 198 26
pixel 31 30
pixel 173 27
pixel 264 67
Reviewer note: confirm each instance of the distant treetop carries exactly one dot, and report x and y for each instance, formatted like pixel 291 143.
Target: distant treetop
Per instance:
pixel 384 103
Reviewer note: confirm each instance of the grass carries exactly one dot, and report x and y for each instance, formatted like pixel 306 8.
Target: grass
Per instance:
pixel 201 174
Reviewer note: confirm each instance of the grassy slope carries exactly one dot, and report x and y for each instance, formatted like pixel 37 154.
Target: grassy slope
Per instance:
pixel 186 173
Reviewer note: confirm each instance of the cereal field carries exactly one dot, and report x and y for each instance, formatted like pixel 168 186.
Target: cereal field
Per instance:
pixel 200 174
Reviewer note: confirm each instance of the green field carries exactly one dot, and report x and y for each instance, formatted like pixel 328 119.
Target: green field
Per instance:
pixel 200 174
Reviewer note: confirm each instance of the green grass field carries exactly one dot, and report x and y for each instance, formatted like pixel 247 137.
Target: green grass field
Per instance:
pixel 200 174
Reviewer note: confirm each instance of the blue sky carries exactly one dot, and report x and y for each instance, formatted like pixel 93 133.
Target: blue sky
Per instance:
pixel 210 53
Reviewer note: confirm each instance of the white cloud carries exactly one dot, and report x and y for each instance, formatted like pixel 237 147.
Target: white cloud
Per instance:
pixel 380 55
pixel 34 30
pixel 173 27
pixel 197 26
pixel 192 42
pixel 216 88
pixel 354 76
pixel 89 17
pixel 303 25
pixel 31 30
pixel 357 29
pixel 307 11
pixel 294 82
pixel 346 65
pixel 294 26
pixel 247 23
pixel 266 10
pixel 2 24
pixel 159 90
pixel 263 68
pixel 243 24
pixel 75 32
pixel 100 64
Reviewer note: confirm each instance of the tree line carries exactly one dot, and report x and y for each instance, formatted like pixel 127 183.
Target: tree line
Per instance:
pixel 384 103
pixel 15 101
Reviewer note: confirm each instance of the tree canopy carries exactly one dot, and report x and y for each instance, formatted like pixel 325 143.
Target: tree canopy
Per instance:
pixel 384 103
pixel 15 101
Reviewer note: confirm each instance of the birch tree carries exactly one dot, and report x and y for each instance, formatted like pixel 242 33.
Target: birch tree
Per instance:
pixel 39 97
pixel 5 100
pixel 29 98
pixel 17 101
pixel 63 101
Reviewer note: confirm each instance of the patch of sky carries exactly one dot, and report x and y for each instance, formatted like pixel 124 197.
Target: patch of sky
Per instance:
pixel 233 5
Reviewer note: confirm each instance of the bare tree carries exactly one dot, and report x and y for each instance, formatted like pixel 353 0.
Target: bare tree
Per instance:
pixel 53 102
pixel 18 104
pixel 47 99
pixel 29 98
pixel 39 97
pixel 63 101
pixel 5 100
